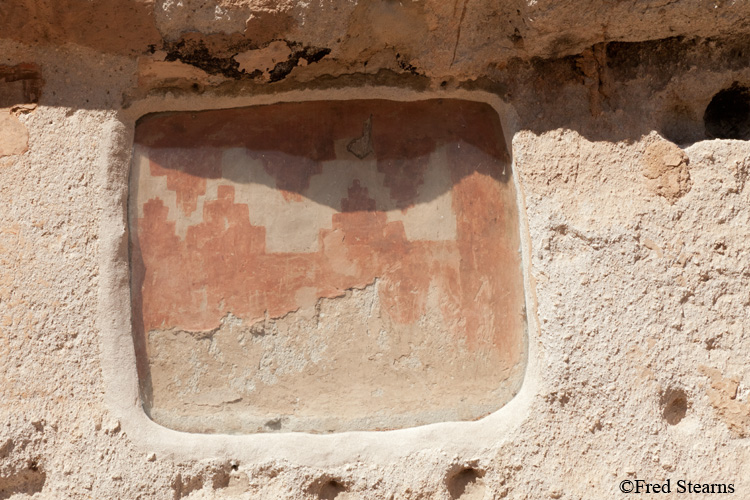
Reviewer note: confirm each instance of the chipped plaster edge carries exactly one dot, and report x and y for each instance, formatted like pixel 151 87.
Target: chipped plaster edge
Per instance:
pixel 118 361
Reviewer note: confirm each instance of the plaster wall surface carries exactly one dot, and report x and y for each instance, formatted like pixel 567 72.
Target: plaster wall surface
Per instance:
pixel 325 266
pixel 633 225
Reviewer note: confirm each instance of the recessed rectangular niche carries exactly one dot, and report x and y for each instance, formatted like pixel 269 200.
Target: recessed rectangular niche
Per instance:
pixel 325 266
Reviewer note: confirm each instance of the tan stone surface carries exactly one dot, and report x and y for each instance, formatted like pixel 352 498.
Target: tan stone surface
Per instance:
pixel 14 138
pixel 723 396
pixel 628 294
pixel 666 167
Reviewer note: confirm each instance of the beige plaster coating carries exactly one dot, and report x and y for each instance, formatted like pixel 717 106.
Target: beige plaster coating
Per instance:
pixel 361 300
pixel 637 302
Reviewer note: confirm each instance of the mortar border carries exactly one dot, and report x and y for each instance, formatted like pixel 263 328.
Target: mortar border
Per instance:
pixel 118 361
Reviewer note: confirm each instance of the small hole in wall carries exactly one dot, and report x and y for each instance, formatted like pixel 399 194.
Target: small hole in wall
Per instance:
pixel 24 483
pixel 331 489
pixel 728 114
pixel 273 424
pixel 467 484
pixel 675 404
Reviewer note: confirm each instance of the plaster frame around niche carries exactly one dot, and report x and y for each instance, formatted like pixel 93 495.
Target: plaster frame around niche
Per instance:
pixel 114 315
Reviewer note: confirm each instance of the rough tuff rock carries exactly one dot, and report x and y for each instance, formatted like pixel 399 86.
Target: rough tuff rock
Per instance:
pixel 636 284
pixel 434 37
pixel 666 166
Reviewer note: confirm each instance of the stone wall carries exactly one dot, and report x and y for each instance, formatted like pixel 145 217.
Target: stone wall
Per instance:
pixel 601 219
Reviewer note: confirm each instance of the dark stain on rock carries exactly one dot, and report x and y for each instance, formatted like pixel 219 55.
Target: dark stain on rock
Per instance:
pixel 516 38
pixel 406 66
pixel 215 54
pixel 309 54
pixel 196 53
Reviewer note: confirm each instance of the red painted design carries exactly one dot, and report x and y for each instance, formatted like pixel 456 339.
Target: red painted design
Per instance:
pixel 222 265
pixel 186 171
